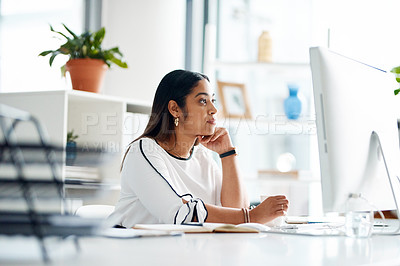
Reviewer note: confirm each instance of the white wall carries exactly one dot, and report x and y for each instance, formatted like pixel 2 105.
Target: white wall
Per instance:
pixel 24 33
pixel 151 35
pixel 366 30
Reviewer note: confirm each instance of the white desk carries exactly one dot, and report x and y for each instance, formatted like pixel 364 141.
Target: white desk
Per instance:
pixel 209 249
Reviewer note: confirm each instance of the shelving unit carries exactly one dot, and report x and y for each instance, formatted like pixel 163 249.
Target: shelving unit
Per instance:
pixel 100 121
pixel 269 120
pixel 269 133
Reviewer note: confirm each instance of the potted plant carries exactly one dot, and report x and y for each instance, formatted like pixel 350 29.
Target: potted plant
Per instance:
pixel 396 71
pixel 87 62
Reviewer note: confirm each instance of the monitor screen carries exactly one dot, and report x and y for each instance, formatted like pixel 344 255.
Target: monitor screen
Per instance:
pixel 353 100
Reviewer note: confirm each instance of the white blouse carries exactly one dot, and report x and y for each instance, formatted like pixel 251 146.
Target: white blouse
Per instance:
pixel 154 181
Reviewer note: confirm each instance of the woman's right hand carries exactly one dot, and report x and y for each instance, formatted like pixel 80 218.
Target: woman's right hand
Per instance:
pixel 269 209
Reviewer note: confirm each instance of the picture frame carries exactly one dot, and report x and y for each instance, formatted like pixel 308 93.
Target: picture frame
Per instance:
pixel 234 100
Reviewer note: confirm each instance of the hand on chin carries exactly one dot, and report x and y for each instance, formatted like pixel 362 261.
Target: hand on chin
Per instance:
pixel 218 141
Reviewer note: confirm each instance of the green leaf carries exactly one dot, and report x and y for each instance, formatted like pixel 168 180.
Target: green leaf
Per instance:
pixel 95 53
pixel 396 70
pixel 62 34
pixel 110 55
pixel 84 50
pixel 118 62
pixel 73 34
pixel 396 91
pixel 63 71
pixel 115 50
pixel 45 53
pixel 98 37
pixel 53 56
pixel 65 49
pixel 71 136
pixel 85 37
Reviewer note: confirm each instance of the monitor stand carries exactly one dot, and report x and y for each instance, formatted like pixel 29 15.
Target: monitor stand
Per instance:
pixel 397 230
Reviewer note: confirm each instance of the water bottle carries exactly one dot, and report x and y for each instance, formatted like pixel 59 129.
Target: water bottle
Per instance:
pixel 359 216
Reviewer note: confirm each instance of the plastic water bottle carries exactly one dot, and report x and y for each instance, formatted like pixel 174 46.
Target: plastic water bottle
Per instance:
pixel 359 216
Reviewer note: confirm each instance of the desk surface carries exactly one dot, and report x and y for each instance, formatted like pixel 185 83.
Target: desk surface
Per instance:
pixel 208 249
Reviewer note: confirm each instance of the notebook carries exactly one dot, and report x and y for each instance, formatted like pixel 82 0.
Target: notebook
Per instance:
pixel 206 227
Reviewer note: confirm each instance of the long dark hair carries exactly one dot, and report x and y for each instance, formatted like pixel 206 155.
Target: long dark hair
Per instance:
pixel 176 85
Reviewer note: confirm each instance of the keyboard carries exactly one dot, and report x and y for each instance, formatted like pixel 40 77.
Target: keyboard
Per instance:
pixel 330 226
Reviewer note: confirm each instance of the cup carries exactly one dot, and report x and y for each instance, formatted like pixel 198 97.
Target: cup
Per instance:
pixel 279 221
pixel 359 224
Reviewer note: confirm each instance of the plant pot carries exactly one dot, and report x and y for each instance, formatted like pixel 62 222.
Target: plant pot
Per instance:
pixel 70 152
pixel 86 74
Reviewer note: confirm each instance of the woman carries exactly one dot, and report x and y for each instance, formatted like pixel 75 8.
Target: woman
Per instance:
pixel 168 175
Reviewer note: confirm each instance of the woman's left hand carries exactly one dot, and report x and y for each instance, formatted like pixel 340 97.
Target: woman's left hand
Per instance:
pixel 219 142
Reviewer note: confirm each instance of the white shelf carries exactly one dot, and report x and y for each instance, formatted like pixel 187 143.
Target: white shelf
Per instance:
pixel 138 107
pixel 99 120
pixel 132 105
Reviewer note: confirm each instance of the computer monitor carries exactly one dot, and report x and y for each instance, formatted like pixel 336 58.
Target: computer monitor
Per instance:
pixel 353 100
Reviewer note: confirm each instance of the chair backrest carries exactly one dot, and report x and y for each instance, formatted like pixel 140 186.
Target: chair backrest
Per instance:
pixel 95 211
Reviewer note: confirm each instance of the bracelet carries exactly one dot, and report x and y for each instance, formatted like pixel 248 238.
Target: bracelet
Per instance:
pixel 246 215
pixel 228 153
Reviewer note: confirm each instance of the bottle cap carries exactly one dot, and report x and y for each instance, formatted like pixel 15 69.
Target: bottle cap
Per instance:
pixel 355 195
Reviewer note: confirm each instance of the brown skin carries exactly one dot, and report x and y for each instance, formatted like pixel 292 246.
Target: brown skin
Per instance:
pixel 200 123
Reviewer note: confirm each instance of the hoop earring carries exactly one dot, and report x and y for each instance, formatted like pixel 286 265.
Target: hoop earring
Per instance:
pixel 176 121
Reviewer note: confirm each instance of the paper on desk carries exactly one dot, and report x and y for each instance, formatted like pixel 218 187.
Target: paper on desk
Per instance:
pixel 207 228
pixel 314 219
pixel 135 233
pixel 310 229
pixel 175 228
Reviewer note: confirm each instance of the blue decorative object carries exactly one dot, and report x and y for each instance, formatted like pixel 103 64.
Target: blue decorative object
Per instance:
pixel 292 103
